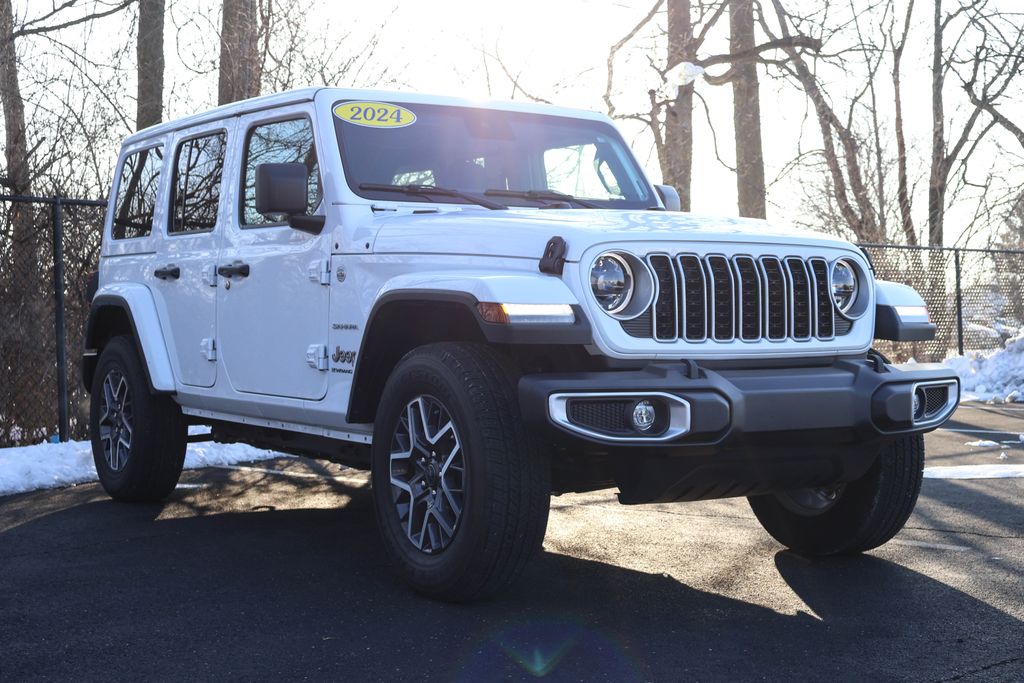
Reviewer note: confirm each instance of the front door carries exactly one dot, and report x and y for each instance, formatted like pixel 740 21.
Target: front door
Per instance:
pixel 272 299
pixel 183 279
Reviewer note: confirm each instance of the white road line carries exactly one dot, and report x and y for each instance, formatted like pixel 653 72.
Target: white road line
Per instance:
pixel 997 406
pixel 974 431
pixel 974 472
pixel 934 546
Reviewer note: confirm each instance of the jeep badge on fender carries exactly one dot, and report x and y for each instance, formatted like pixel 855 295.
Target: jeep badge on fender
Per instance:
pixel 525 313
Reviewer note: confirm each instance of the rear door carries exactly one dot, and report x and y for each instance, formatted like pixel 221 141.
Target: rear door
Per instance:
pixel 273 302
pixel 183 277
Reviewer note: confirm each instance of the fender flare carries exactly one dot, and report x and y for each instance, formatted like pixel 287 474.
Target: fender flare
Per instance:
pixel 464 292
pixel 890 298
pixel 137 303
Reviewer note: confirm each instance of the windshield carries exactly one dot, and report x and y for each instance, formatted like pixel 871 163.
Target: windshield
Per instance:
pixel 518 159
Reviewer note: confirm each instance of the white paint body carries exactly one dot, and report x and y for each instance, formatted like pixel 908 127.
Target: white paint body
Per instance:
pixel 264 324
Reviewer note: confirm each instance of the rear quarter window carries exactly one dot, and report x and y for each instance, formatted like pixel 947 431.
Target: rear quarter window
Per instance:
pixel 137 188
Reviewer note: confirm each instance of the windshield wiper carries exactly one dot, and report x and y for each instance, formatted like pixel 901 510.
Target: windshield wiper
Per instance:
pixel 541 195
pixel 425 190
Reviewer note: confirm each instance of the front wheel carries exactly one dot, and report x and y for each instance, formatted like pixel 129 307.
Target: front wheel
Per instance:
pixel 852 517
pixel 461 491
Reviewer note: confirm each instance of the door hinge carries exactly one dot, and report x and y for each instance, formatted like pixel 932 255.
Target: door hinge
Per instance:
pixel 320 271
pixel 210 275
pixel 208 347
pixel 316 356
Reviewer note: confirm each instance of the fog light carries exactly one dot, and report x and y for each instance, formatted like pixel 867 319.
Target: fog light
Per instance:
pixel 644 415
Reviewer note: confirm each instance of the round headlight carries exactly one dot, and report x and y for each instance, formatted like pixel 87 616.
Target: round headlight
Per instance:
pixel 844 285
pixel 611 280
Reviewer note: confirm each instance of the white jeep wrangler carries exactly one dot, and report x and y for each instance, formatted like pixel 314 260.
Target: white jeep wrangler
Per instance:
pixel 485 304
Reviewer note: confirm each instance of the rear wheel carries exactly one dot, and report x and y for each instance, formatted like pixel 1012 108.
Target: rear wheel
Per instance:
pixel 138 438
pixel 852 517
pixel 460 490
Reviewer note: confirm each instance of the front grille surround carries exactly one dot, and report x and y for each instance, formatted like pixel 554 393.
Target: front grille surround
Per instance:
pixel 747 298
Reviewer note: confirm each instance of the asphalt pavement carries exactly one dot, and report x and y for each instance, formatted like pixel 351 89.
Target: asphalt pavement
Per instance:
pixel 274 571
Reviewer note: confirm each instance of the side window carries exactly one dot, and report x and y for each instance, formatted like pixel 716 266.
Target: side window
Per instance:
pixel 280 142
pixel 136 194
pixel 198 167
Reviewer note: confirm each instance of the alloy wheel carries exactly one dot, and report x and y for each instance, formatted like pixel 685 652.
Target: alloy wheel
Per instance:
pixel 428 474
pixel 116 420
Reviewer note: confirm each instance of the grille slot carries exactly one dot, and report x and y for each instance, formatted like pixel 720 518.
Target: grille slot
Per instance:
pixel 748 286
pixel 800 292
pixel 740 297
pixel 721 286
pixel 822 299
pixel 665 304
pixel 775 298
pixel 694 299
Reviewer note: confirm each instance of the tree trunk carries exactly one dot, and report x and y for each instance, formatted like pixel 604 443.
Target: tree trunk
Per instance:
pixel 903 190
pixel 239 58
pixel 151 64
pixel 677 166
pixel 746 112
pixel 18 178
pixel 937 177
pixel 23 348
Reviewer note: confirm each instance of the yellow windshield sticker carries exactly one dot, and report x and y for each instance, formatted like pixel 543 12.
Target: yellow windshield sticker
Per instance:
pixel 375 114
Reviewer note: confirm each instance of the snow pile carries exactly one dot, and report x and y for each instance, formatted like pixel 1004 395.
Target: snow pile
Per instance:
pixel 49 465
pixel 996 376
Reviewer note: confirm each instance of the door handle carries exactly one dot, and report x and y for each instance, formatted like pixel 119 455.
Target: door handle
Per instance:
pixel 231 269
pixel 168 272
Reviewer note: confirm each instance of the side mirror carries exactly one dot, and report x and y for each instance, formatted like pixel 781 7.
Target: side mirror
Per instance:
pixel 669 197
pixel 282 189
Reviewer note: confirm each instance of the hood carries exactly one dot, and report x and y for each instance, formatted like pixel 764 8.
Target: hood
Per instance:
pixel 523 233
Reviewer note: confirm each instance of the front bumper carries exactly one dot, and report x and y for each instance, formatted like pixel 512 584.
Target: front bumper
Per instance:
pixel 744 431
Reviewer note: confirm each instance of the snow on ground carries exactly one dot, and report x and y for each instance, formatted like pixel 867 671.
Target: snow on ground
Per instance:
pixel 996 376
pixel 49 465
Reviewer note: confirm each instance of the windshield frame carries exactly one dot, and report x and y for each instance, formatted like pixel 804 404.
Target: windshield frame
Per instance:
pixel 602 127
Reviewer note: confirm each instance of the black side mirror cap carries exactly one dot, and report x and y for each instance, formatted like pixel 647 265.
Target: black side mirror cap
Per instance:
pixel 313 225
pixel 669 197
pixel 281 188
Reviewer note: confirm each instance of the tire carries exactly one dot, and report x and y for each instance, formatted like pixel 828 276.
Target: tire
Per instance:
pixel 857 516
pixel 494 499
pixel 138 438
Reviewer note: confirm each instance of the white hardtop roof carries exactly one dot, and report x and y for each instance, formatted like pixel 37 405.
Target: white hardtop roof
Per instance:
pixel 309 94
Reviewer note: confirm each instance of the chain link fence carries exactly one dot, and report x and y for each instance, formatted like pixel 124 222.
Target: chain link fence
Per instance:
pixel 974 296
pixel 49 246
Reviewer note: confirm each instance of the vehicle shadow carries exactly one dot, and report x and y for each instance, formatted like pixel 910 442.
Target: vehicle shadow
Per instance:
pixel 103 590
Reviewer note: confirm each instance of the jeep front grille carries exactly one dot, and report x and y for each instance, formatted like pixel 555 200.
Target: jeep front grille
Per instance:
pixel 738 298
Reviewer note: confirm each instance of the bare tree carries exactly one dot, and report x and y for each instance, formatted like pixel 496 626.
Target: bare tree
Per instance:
pixel 335 57
pixel 746 112
pixel 670 118
pixel 239 56
pixel 150 63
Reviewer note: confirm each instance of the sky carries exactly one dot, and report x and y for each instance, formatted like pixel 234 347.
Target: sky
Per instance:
pixel 558 50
